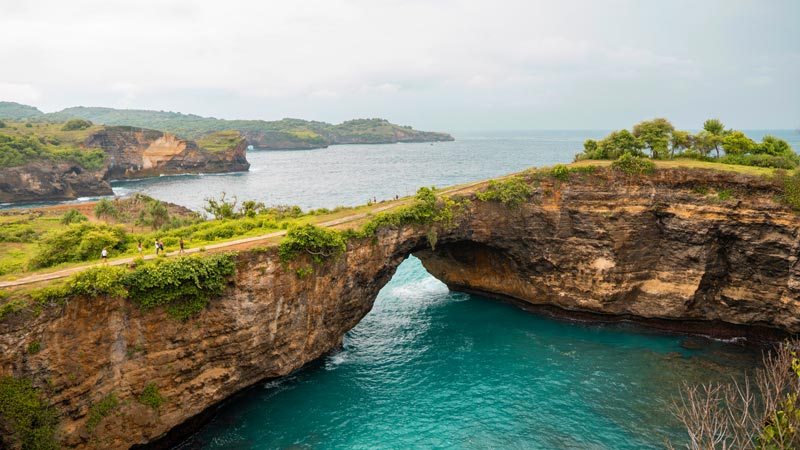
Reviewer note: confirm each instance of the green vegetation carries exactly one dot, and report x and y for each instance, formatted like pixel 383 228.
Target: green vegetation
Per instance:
pixel 297 132
pixel 76 124
pixel 73 216
pixel 220 141
pixel 34 347
pixel 79 242
pixel 663 141
pixel 101 410
pixel 31 420
pixel 152 397
pixel 791 190
pixel 320 243
pixel 633 165
pixel 182 285
pixel 17 111
pixel 20 150
pixel 513 191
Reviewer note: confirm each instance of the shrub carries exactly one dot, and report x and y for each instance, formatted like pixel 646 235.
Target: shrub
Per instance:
pixel 73 216
pixel 152 397
pixel 78 242
pixel 633 165
pixel 320 243
pixel 512 191
pixel 17 232
pixel 791 190
pixel 12 306
pixel 100 410
pixel 34 347
pixel 560 172
pixel 31 420
pixel 183 285
pixel 95 281
pixel 76 124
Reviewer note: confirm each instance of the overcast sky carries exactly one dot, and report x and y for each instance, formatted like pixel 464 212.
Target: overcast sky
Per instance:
pixel 449 65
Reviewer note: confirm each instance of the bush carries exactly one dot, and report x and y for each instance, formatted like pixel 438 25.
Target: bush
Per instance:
pixel 31 420
pixel 76 124
pixel 633 165
pixel 73 216
pixel 78 242
pixel 151 397
pixel 320 243
pixel 100 410
pixel 17 232
pixel 791 190
pixel 182 285
pixel 511 192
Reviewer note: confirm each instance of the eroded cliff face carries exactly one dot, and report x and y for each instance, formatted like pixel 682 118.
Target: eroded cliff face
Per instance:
pixel 138 153
pixel 50 180
pixel 653 248
pixel 131 153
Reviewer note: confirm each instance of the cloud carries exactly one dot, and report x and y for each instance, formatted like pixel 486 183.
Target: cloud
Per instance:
pixel 20 93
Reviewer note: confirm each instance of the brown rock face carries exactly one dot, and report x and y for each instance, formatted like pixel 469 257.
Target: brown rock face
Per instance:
pixel 652 249
pixel 50 180
pixel 139 153
pixel 132 153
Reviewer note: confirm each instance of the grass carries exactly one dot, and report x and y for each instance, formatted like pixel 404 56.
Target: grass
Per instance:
pixel 220 141
pixel 691 164
pixel 67 138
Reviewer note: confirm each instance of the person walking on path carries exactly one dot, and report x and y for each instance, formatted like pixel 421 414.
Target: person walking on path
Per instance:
pixel 161 247
pixel 181 244
pixel 157 247
pixel 104 256
pixel 139 249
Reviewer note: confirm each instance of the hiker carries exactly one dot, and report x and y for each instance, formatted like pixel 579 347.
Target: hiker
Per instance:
pixel 139 249
pixel 161 247
pixel 181 244
pixel 104 256
pixel 157 247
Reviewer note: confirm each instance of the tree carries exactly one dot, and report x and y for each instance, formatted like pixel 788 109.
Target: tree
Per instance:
pixel 221 209
pixel 655 135
pixel 105 208
pixel 705 142
pixel 73 216
pixel 771 145
pixel 736 143
pixel 716 131
pixel 76 124
pixel 681 140
pixel 159 214
pixel 620 142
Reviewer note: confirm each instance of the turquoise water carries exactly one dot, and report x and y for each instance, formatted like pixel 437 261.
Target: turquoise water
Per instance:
pixel 429 368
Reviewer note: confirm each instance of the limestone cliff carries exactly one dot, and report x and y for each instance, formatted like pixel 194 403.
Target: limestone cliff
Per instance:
pixel 663 249
pixel 139 153
pixel 50 180
pixel 130 153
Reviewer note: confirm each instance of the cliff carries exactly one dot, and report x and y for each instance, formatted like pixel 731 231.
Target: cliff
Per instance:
pixel 52 164
pixel 138 153
pixel 688 250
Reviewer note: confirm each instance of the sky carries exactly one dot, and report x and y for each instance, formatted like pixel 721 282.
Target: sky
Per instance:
pixel 445 65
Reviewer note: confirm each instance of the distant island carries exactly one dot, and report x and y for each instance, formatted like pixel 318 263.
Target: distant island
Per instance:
pixel 285 134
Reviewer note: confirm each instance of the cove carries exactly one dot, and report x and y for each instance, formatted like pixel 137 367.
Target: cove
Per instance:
pixel 430 368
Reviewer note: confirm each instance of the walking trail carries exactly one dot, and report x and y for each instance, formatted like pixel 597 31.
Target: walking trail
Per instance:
pixel 46 276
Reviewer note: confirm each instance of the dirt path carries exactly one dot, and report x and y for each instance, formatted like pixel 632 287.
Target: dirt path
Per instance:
pixel 35 278
pixel 38 277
